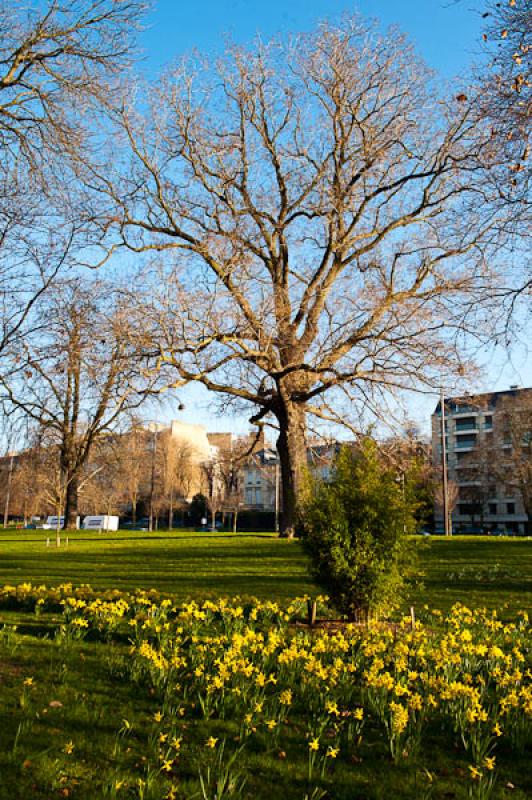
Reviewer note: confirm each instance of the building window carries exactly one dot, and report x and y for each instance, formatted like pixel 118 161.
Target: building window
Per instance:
pixel 466 424
pixel 510 508
pixel 466 440
pixel 492 508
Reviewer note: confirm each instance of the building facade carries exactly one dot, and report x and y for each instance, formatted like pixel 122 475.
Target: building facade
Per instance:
pixel 488 441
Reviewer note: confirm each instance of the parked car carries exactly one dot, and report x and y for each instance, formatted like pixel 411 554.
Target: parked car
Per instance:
pixel 471 530
pixel 141 524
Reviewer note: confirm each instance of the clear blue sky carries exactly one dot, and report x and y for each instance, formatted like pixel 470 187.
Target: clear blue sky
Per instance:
pixel 445 33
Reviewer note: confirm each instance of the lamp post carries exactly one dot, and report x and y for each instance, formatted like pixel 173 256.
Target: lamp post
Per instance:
pixel 445 488
pixel 152 482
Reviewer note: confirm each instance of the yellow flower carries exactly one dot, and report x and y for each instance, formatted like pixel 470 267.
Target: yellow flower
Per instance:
pixel 314 744
pixel 332 752
pixel 157 717
pixel 167 766
pixel 358 713
pixel 399 717
pixel 176 743
pixel 28 681
pixel 68 748
pixel 475 772
pixel 211 742
pixel 497 730
pixel 489 763
pixel 271 724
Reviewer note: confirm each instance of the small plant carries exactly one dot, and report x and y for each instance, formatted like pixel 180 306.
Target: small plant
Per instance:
pixel 221 777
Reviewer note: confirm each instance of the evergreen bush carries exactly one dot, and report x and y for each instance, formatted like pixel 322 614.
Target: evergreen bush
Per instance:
pixel 356 530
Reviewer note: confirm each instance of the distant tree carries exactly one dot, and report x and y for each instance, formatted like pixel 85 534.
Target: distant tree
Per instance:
pixel 231 461
pixel 76 377
pixel 199 508
pixel 511 464
pixel 131 460
pixel 177 466
pixel 453 495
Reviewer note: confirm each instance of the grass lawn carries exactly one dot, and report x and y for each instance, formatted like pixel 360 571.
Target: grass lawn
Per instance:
pixel 477 571
pixel 62 733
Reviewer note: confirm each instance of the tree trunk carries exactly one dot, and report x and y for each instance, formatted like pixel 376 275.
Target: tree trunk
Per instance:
pixel 235 519
pixel 171 512
pixel 71 503
pixel 134 510
pixel 292 450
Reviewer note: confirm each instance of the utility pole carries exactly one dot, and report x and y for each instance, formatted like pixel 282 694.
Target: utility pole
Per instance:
pixel 152 485
pixel 446 520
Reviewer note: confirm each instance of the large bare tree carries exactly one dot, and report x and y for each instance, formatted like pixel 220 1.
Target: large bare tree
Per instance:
pixel 320 223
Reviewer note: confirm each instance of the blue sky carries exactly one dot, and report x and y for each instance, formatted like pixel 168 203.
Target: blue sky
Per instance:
pixel 446 34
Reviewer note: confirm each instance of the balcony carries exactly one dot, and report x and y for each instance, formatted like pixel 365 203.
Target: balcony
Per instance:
pixel 465 443
pixel 466 424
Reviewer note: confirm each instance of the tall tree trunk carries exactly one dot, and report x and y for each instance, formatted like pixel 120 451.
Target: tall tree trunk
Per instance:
pixel 134 510
pixel 292 449
pixel 71 503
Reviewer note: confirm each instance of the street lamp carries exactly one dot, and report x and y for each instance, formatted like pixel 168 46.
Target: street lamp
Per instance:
pixel 445 487
pixel 152 482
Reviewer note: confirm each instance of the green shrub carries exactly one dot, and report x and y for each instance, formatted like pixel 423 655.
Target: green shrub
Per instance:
pixel 356 528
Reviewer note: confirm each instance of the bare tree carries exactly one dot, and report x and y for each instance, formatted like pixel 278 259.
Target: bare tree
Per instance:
pixel 325 219
pixel 453 495
pixel 214 487
pixel 76 377
pixel 506 104
pixel 507 80
pixel 131 464
pixel 56 58
pixel 231 462
pixel 510 464
pixel 178 470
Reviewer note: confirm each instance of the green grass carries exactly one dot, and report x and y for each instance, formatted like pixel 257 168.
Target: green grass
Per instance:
pixel 95 698
pixel 475 570
pixel 185 564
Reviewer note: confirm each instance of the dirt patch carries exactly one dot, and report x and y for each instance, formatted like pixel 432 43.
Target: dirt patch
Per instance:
pixel 8 670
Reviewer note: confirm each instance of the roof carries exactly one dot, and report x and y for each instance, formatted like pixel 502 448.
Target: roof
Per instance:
pixel 487 400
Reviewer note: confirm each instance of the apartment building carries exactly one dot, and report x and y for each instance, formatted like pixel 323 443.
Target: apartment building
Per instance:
pixel 488 440
pixel 262 490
